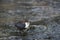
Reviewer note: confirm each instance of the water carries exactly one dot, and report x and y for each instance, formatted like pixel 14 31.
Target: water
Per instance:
pixel 38 33
pixel 47 15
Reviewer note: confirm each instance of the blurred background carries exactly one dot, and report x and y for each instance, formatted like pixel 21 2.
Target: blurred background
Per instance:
pixel 47 11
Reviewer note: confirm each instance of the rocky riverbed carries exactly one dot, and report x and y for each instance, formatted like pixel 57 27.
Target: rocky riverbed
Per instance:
pixel 44 12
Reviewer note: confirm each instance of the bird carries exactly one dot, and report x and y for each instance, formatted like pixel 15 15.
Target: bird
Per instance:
pixel 22 25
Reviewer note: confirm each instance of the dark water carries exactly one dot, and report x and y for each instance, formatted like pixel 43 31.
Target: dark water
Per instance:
pixel 46 11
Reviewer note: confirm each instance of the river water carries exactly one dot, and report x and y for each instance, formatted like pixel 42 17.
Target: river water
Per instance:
pixel 34 10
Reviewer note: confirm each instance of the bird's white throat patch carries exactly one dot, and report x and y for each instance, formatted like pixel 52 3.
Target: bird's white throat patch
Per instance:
pixel 27 24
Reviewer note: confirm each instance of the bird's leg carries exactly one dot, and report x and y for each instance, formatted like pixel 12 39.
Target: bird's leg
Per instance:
pixel 27 29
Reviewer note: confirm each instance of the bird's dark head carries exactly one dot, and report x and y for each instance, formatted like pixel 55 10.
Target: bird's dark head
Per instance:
pixel 24 21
